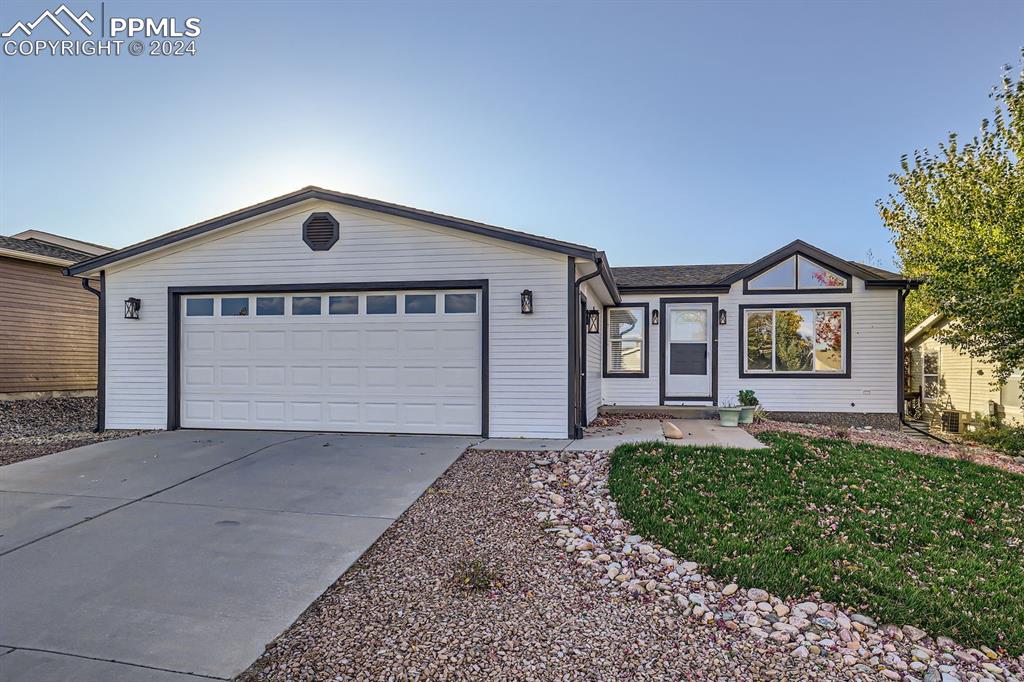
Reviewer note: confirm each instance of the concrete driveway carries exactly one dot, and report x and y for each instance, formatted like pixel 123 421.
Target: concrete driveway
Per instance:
pixel 178 556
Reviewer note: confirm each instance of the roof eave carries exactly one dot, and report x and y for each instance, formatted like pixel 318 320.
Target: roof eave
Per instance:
pixel 34 257
pixel 677 288
pixel 892 283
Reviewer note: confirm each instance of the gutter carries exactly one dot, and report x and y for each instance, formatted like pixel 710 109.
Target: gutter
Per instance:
pixel 901 324
pixel 576 430
pixel 101 350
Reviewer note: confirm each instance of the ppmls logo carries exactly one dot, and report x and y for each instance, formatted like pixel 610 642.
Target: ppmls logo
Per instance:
pixel 78 21
pixel 165 36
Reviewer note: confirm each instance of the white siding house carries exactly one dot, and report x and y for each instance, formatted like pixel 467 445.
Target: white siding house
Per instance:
pixel 324 311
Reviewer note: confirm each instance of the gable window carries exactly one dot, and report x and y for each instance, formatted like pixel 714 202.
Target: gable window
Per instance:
pixel 797 273
pixel 626 339
pixel 930 375
pixel 797 340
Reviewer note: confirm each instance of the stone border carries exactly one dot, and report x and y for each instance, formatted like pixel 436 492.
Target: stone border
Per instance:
pixel 575 508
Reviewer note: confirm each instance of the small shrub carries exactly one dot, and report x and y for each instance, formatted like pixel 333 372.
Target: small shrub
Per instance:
pixel 747 398
pixel 475 574
pixel 1008 439
pixel 761 415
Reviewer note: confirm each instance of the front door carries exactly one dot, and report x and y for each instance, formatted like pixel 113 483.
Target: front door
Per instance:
pixel 688 351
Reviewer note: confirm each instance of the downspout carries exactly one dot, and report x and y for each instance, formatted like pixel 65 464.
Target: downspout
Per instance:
pixel 901 329
pixel 575 429
pixel 101 342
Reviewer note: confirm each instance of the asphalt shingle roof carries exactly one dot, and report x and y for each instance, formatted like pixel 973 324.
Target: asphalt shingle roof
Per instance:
pixel 673 275
pixel 41 248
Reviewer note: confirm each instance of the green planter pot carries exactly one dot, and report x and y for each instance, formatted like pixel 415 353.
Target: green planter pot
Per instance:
pixel 747 414
pixel 729 416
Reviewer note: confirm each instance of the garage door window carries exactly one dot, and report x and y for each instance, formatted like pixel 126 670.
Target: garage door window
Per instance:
pixel 381 305
pixel 234 307
pixel 420 304
pixel 459 303
pixel 306 305
pixel 270 305
pixel 199 307
pixel 343 305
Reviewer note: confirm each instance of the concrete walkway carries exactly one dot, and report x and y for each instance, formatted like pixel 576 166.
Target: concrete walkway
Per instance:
pixel 695 432
pixel 178 556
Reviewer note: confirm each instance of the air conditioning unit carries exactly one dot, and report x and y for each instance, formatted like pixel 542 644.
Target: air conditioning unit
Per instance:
pixel 954 421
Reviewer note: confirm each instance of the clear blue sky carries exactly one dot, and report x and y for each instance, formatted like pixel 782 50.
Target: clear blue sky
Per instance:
pixel 659 132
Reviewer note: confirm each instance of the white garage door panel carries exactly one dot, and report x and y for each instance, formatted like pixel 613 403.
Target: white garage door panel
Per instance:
pixel 412 373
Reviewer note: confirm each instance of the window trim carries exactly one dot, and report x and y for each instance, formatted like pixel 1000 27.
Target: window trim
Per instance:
pixel 747 291
pixel 646 357
pixel 938 373
pixel 848 339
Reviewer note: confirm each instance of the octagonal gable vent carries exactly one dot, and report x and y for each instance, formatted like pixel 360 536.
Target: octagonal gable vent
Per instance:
pixel 320 231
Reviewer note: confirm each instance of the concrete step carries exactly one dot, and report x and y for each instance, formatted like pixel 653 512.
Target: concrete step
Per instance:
pixel 674 411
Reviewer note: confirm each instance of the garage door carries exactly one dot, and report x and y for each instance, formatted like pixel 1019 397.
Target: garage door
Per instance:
pixel 402 361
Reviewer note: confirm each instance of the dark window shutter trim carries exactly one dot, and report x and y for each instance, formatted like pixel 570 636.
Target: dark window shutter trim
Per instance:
pixel 320 231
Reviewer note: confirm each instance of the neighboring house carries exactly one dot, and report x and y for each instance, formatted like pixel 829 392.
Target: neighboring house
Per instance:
pixel 48 335
pixel 941 378
pixel 319 310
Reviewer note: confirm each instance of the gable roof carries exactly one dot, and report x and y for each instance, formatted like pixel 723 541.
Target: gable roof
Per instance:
pixel 67 242
pixel 45 251
pixel 312 192
pixel 927 325
pixel 721 277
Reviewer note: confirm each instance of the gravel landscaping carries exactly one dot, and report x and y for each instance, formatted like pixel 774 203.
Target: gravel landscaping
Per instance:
pixel 33 428
pixel 520 566
pixel 414 606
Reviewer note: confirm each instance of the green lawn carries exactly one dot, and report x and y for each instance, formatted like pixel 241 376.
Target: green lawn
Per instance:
pixel 906 538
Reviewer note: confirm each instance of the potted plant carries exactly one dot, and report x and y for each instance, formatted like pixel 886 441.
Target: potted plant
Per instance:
pixel 748 404
pixel 729 414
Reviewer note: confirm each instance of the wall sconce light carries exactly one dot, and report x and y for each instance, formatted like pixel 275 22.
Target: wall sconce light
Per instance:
pixel 131 308
pixel 526 302
pixel 593 321
pixel 655 316
pixel 722 318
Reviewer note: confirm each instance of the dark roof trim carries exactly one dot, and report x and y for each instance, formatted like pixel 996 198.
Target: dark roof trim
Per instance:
pixel 307 193
pixel 606 276
pixel 892 283
pixel 799 246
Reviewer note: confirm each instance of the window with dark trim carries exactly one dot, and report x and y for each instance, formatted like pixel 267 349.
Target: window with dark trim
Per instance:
pixel 797 273
pixel 795 340
pixel 626 339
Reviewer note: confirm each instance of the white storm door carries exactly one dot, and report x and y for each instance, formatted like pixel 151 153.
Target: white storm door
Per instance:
pixel 686 359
